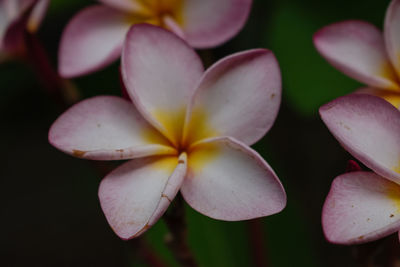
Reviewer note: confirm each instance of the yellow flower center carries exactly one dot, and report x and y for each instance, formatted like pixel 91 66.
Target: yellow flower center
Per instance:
pixel 184 136
pixel 155 11
pixel 393 192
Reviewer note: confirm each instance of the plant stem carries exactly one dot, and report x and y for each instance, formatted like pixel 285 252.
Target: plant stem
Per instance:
pixel 144 251
pixel 176 240
pixel 256 238
pixel 62 91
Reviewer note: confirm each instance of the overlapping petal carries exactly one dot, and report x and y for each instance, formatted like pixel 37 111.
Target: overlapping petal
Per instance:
pixel 92 39
pixel 160 72
pixel 392 33
pixel 135 195
pixel 369 128
pixel 357 49
pixel 135 6
pixel 229 181
pixel 239 96
pixel 209 23
pixel 17 16
pixel 106 128
pixel 3 21
pixel 393 97
pixel 37 15
pixel 361 207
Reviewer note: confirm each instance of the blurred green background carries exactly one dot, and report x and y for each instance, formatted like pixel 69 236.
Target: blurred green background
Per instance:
pixel 50 212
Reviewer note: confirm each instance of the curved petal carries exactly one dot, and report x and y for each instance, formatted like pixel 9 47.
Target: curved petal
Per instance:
pixel 135 6
pixel 135 195
pixel 4 21
pixel 15 8
pixel 92 40
pixel 106 128
pixel 357 49
pixel 15 15
pixel 393 97
pixel 369 128
pixel 209 23
pixel 173 26
pixel 227 180
pixel 361 207
pixel 392 33
pixel 160 72
pixel 239 96
pixel 37 15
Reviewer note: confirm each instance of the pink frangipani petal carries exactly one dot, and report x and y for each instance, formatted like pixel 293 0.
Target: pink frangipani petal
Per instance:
pixel 136 194
pixel 369 128
pixel 106 128
pixel 392 33
pixel 209 23
pixel 92 40
pixel 361 207
pixel 239 95
pixel 357 49
pixel 227 180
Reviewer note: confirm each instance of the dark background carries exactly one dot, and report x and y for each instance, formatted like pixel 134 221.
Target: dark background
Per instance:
pixel 50 211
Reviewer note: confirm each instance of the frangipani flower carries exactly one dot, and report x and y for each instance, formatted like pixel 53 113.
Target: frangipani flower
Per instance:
pixel 361 51
pixel 94 37
pixel 187 130
pixel 364 206
pixel 16 16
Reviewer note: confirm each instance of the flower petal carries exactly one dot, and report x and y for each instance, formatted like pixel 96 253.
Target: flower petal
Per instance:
pixel 135 195
pixel 173 26
pixel 361 207
pixel 15 14
pixel 392 33
pixel 160 72
pixel 106 128
pixel 239 96
pixel 4 21
pixel 357 49
pixel 209 23
pixel 369 128
pixel 126 5
pixel 92 40
pixel 393 97
pixel 227 180
pixel 37 15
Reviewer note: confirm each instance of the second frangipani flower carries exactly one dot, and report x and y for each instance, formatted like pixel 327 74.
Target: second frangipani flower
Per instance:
pixel 364 206
pixel 186 130
pixel 94 37
pixel 16 17
pixel 361 51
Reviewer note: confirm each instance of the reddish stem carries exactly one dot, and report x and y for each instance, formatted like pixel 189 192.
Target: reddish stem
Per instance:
pixel 258 248
pixel 352 166
pixel 144 251
pixel 176 240
pixel 61 90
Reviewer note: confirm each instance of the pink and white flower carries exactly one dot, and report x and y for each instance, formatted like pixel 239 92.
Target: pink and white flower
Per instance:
pixel 364 206
pixel 363 52
pixel 16 17
pixel 94 37
pixel 186 130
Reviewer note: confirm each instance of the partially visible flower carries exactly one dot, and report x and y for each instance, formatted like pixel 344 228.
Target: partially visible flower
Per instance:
pixel 187 130
pixel 360 50
pixel 364 206
pixel 16 17
pixel 94 37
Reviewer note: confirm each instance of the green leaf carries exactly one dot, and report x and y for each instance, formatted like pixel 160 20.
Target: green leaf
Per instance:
pixel 308 80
